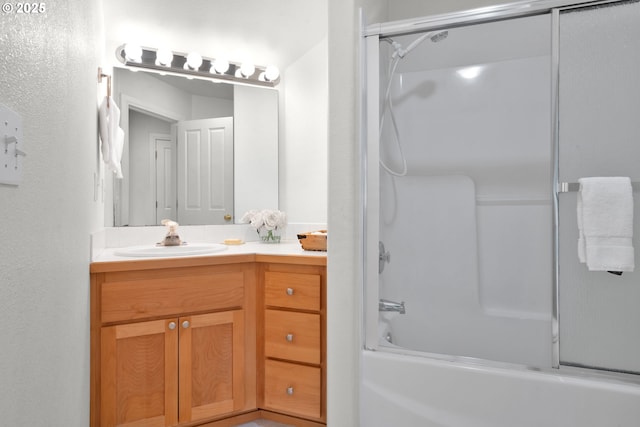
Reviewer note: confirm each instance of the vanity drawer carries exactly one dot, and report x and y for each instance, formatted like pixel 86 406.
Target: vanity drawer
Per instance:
pixel 125 298
pixel 292 336
pixel 293 388
pixel 292 290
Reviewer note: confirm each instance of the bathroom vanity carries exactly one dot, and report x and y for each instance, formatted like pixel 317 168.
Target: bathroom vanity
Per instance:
pixel 213 340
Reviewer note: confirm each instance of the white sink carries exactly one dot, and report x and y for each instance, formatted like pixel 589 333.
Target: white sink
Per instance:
pixel 170 251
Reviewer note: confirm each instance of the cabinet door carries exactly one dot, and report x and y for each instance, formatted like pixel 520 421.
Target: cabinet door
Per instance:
pixel 211 364
pixel 139 379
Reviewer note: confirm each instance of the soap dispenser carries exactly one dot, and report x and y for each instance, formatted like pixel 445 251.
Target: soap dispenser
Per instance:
pixel 172 238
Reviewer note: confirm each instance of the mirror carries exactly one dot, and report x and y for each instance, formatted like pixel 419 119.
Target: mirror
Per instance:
pixel 195 151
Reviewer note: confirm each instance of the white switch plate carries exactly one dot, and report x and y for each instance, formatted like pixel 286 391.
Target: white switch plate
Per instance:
pixel 12 152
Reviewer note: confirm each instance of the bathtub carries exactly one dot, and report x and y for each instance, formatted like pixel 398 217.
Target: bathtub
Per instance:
pixel 406 390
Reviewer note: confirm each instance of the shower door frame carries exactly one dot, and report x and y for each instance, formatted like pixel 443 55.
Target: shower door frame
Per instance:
pixel 370 144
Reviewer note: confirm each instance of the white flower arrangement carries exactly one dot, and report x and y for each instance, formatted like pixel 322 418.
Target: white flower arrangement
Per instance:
pixel 266 221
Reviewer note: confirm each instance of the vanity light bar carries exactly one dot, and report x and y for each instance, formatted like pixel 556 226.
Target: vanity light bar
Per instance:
pixel 262 76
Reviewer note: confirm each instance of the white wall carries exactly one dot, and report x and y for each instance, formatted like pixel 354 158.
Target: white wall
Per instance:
pixel 203 108
pixel 144 87
pixel 141 181
pixel 406 9
pixel 255 150
pixel 344 292
pixel 48 76
pixel 303 137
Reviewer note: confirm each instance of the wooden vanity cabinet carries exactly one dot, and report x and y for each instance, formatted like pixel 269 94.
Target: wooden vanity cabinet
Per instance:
pixel 169 346
pixel 293 355
pixel 213 341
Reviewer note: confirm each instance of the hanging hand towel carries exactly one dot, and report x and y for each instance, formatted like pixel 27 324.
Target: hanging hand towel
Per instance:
pixel 103 121
pixel 111 135
pixel 605 224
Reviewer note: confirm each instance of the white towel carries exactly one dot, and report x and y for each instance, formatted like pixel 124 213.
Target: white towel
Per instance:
pixel 605 224
pixel 111 135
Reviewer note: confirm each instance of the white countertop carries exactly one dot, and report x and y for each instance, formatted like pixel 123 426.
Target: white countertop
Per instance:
pixel 287 247
pixel 109 240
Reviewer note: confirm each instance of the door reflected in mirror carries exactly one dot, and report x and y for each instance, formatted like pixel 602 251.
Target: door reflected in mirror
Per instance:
pixel 196 151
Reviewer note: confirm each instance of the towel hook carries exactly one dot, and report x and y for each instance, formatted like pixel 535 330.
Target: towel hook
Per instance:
pixel 100 76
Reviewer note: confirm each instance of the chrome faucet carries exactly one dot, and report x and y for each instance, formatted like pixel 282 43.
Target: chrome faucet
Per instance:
pixel 386 305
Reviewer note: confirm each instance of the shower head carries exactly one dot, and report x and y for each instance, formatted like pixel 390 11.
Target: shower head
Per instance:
pixel 435 37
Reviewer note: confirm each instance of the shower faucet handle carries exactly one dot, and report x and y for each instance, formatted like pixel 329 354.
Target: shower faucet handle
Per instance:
pixel 383 257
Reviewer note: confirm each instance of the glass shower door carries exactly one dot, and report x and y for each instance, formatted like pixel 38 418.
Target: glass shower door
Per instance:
pixel 599 135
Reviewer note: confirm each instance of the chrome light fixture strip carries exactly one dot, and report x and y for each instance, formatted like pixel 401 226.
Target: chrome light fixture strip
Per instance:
pixel 177 67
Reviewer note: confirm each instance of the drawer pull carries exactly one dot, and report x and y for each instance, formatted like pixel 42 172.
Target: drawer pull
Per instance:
pixel 290 391
pixel 172 325
pixel 185 324
pixel 289 337
pixel 289 291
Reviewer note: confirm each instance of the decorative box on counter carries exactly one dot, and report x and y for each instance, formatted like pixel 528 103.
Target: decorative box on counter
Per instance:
pixel 314 240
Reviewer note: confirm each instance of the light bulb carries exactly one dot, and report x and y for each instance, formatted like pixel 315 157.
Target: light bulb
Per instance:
pixel 271 73
pixel 247 69
pixel 194 61
pixel 132 52
pixel 164 57
pixel 220 66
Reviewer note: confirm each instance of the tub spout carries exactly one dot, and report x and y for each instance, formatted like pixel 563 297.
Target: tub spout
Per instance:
pixel 386 305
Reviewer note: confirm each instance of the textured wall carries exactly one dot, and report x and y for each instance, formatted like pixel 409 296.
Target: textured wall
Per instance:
pixel 48 75
pixel 344 291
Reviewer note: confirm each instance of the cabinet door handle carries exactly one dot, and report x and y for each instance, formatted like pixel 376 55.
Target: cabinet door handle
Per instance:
pixel 290 391
pixel 185 324
pixel 172 325
pixel 289 337
pixel 289 291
